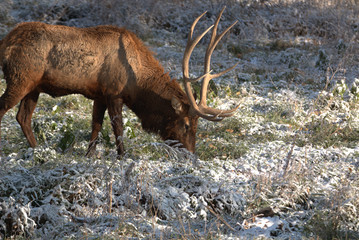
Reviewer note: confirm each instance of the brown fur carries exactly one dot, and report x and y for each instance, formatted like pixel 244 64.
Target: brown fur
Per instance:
pixel 107 64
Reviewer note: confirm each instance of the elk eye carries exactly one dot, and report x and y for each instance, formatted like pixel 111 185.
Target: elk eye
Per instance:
pixel 186 126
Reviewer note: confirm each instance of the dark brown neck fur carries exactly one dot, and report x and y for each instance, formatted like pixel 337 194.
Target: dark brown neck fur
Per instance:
pixel 151 101
pixel 153 104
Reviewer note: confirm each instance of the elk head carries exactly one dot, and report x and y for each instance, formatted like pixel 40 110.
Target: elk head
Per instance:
pixel 188 127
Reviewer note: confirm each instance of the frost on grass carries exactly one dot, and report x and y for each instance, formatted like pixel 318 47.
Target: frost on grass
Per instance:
pixel 52 201
pixel 285 166
pixel 250 196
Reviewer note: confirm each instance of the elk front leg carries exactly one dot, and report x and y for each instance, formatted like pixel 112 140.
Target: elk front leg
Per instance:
pixel 26 109
pixel 98 113
pixel 12 95
pixel 115 111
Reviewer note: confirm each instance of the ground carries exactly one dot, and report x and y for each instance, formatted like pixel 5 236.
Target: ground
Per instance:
pixel 285 166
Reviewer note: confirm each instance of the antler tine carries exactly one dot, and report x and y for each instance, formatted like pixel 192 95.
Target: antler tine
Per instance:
pixel 199 78
pixel 213 37
pixel 191 43
pixel 194 25
pixel 224 71
pixel 216 115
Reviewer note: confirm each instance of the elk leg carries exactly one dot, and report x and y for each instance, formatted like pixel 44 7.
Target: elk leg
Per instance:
pixel 26 109
pixel 98 113
pixel 115 112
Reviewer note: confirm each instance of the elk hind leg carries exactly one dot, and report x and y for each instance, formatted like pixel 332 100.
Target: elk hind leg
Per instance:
pixel 26 109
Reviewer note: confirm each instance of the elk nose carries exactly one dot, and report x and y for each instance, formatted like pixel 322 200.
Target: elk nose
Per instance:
pixel 191 148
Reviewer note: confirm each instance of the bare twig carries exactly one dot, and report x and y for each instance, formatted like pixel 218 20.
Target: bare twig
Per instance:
pixel 220 218
pixel 289 156
pixel 110 196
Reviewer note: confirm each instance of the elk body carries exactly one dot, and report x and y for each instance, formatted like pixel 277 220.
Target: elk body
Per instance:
pixel 111 66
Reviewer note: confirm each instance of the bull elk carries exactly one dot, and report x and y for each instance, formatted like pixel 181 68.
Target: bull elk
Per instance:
pixel 111 66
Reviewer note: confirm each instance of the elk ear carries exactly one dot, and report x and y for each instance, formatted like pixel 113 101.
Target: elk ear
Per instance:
pixel 177 105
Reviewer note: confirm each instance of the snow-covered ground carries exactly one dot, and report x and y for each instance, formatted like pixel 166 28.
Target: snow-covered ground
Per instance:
pixel 284 167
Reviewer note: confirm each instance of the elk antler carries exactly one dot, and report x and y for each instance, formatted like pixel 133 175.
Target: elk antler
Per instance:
pixel 202 109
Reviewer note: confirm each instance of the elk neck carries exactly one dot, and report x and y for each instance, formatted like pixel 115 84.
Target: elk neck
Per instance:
pixel 152 102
